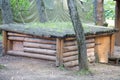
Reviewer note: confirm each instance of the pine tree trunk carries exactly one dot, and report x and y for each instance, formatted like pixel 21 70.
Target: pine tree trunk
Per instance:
pixel 6 12
pixel 41 10
pixel 82 50
pixel 99 12
pixel 117 22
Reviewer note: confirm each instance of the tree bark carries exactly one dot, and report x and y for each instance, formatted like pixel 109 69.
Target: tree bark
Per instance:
pixel 99 12
pixel 6 12
pixel 82 50
pixel 41 10
pixel 117 22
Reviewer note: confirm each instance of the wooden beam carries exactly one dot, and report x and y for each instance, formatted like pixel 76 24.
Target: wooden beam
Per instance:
pixel 10 45
pixel 39 56
pixel 71 63
pixel 38 40
pixel 58 51
pixel 112 44
pixel 38 45
pixel 70 58
pixel 17 34
pixel 16 38
pixel 4 45
pixel 40 51
pixel 67 54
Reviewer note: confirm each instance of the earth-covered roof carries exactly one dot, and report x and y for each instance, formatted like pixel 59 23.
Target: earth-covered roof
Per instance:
pixel 55 30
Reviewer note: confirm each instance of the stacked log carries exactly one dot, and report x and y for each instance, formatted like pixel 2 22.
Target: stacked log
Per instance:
pixel 43 48
pixel 63 51
pixel 70 51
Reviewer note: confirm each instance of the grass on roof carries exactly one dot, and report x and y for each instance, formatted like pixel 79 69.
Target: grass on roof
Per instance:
pixel 58 26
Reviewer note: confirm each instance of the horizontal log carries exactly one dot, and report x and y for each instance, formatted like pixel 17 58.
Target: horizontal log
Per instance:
pixel 18 53
pixel 70 48
pixel 40 51
pixel 90 45
pixel 71 58
pixel 37 45
pixel 71 63
pixel 70 39
pixel 74 42
pixel 17 34
pixel 67 54
pixel 74 48
pixel 16 38
pixel 42 41
pixel 90 50
pixel 70 43
pixel 91 40
pixel 90 54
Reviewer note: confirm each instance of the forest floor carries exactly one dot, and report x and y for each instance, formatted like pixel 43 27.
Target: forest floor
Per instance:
pixel 22 68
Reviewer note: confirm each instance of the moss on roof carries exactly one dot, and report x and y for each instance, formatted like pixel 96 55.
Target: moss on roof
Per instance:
pixel 58 29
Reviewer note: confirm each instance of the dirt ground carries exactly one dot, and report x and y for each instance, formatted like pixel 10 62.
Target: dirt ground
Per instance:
pixel 22 68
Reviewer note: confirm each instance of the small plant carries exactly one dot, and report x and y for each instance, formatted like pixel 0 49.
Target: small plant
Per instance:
pixel 1 66
pixel 62 67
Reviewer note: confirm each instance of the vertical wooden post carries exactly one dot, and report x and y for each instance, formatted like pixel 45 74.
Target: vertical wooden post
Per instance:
pixel 9 47
pixel 58 44
pixel 59 49
pixel 102 48
pixel 4 33
pixel 112 44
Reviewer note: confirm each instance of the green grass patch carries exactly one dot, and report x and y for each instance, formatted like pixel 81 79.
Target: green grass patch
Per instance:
pixel 2 66
pixel 61 67
pixel 57 26
pixel 0 37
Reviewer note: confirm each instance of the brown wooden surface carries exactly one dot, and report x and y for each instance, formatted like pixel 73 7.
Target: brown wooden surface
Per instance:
pixel 17 46
pixel 103 48
pixel 71 63
pixel 40 51
pixel 17 34
pixel 43 41
pixel 58 51
pixel 71 58
pixel 112 44
pixel 74 48
pixel 62 50
pixel 10 45
pixel 117 23
pixel 4 45
pixel 16 38
pixel 40 56
pixel 67 54
pixel 38 45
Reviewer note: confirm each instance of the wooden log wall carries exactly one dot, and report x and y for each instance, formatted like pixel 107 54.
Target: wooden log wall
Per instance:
pixel 62 51
pixel 25 45
pixel 70 53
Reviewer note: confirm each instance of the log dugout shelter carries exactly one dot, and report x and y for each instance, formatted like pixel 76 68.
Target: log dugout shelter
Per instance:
pixel 57 46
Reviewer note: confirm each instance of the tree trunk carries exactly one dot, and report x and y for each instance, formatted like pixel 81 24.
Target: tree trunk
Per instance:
pixel 41 10
pixel 6 12
pixel 99 12
pixel 117 22
pixel 82 50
